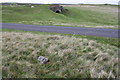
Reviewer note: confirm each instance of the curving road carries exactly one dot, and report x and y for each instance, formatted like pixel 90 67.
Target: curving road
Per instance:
pixel 112 33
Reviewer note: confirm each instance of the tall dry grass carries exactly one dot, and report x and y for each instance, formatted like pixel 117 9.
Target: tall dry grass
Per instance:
pixel 69 57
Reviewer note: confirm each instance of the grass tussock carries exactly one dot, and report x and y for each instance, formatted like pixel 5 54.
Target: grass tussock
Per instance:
pixel 69 57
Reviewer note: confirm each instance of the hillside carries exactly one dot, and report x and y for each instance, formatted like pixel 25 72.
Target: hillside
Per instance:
pixel 77 15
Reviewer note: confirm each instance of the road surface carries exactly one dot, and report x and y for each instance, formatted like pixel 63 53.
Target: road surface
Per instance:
pixel 112 33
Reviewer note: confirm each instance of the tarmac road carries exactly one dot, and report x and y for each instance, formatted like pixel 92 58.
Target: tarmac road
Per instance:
pixel 112 33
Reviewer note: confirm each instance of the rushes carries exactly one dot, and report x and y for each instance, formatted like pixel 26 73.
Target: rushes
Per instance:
pixel 69 57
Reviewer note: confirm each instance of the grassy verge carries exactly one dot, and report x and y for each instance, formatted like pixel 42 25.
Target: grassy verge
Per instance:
pixel 70 57
pixel 104 40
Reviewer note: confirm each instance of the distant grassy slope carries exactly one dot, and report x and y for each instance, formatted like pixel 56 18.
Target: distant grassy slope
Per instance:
pixel 76 16
pixel 0 13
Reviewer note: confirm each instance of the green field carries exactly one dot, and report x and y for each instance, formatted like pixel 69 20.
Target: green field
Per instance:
pixel 77 15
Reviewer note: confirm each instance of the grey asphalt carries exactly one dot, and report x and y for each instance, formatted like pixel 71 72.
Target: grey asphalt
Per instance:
pixel 112 33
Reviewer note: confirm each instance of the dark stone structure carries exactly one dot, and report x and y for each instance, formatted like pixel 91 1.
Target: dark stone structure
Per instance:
pixel 57 8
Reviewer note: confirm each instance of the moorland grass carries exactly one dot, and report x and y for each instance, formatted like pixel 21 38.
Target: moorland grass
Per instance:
pixel 70 57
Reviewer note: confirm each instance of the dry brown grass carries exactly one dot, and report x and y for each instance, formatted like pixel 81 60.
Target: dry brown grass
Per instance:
pixel 69 57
